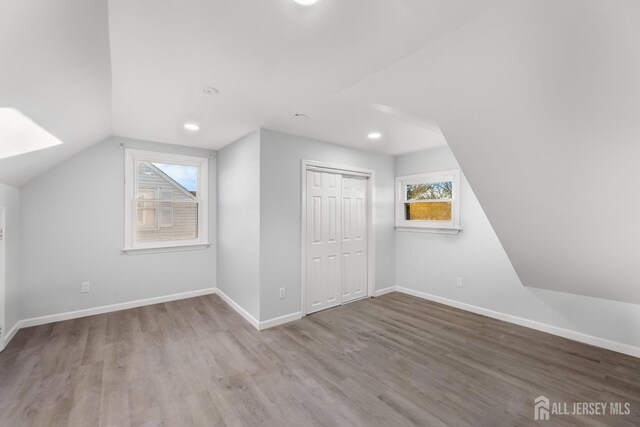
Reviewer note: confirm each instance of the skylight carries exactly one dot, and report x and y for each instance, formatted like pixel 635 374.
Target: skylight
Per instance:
pixel 19 134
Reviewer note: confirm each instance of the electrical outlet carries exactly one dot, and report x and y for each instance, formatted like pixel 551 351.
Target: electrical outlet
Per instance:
pixel 283 293
pixel 459 282
pixel 85 287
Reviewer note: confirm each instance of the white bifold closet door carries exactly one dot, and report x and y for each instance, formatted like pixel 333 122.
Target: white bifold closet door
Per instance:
pixel 336 264
pixel 354 238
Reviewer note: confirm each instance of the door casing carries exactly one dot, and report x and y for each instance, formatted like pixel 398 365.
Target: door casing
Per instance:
pixel 369 174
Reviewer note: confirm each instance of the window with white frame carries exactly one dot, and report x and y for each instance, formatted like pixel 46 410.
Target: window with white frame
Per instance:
pixel 429 202
pixel 166 200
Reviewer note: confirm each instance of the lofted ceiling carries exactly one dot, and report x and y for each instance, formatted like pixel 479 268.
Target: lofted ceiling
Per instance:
pixel 545 126
pixel 88 69
pixel 538 99
pixel 270 59
pixel 55 68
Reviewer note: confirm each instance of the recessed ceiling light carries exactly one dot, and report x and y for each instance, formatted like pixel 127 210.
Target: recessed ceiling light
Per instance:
pixel 375 135
pixel 193 127
pixel 210 90
pixel 306 2
pixel 300 116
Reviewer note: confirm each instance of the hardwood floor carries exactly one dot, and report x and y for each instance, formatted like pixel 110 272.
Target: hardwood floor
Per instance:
pixel 394 360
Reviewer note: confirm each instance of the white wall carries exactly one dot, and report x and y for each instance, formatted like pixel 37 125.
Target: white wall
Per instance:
pixel 280 157
pixel 10 200
pixel 73 230
pixel 538 100
pixel 239 222
pixel 430 263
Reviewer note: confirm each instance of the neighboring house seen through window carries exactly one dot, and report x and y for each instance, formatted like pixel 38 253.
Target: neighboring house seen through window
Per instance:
pixel 166 200
pixel 147 213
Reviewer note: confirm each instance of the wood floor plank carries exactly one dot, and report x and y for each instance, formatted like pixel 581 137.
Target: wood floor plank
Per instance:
pixel 395 360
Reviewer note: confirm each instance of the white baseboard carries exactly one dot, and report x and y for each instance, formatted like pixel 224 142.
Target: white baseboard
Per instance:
pixel 9 335
pixel 42 320
pixel 265 324
pixel 539 326
pixel 35 321
pixel 241 311
pixel 384 291
pixel 259 325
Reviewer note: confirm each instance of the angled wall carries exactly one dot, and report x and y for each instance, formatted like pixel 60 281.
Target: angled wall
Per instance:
pixel 429 264
pixel 540 101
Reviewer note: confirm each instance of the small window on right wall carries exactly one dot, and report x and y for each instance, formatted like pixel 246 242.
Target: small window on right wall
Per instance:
pixel 429 202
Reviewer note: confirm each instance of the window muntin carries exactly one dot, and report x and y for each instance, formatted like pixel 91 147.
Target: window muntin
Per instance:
pixel 428 200
pixel 147 213
pixel 166 208
pixel 166 201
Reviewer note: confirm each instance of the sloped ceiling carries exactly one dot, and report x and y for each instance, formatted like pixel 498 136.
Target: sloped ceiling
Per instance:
pixel 88 69
pixel 270 59
pixel 540 102
pixel 55 68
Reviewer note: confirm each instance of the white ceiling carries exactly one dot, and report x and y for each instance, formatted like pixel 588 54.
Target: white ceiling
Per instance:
pixel 85 70
pixel 270 59
pixel 55 68
pixel 539 101
pixel 523 80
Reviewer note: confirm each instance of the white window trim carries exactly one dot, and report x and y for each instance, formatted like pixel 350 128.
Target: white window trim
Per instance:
pixel 130 183
pixel 444 227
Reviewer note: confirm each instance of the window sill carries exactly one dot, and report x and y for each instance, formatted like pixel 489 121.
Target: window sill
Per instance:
pixel 163 249
pixel 428 230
